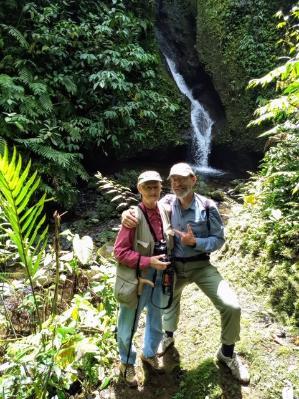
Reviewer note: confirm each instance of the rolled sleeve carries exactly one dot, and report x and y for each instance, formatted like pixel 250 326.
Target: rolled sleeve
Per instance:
pixel 216 239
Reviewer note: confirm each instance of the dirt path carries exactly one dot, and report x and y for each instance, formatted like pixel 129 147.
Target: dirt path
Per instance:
pixel 269 349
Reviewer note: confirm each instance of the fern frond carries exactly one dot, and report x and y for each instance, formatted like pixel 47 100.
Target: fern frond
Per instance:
pixel 6 277
pixel 57 157
pixel 27 229
pixel 5 81
pixel 45 102
pixel 30 107
pixel 25 76
pixel 64 159
pixel 2 145
pixel 38 88
pixel 69 84
pixel 122 196
pixel 15 33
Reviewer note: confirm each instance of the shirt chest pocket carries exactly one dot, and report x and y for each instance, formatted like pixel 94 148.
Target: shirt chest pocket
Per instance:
pixel 200 228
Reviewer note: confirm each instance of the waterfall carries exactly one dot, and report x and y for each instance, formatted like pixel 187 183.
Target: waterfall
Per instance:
pixel 201 125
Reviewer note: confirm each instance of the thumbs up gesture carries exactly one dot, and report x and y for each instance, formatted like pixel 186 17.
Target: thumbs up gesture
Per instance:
pixel 187 238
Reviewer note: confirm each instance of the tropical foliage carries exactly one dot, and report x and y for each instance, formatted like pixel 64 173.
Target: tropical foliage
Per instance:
pixel 80 77
pixel 72 352
pixel 242 36
pixel 271 213
pixel 24 222
pixel 56 347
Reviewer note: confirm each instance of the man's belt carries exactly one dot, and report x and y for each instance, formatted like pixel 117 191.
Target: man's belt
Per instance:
pixel 195 258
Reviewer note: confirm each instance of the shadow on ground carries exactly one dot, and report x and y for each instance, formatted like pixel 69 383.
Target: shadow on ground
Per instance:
pixel 208 380
pixel 152 384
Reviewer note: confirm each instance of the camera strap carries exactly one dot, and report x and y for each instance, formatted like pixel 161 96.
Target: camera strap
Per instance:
pixel 170 299
pixel 155 272
pixel 149 223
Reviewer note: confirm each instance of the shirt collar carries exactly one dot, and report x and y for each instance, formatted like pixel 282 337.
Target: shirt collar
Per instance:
pixel 191 206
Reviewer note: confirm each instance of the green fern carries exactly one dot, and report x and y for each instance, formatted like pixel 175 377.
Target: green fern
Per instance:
pixel 45 102
pixel 26 222
pixel 63 159
pixel 38 88
pixel 15 33
pixel 2 145
pixel 25 75
pixel 6 277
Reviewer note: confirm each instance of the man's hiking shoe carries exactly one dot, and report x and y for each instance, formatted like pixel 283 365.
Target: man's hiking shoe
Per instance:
pixel 165 344
pixel 127 372
pixel 237 368
pixel 153 362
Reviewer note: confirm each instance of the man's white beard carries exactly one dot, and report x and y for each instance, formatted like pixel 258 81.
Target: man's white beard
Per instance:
pixel 183 194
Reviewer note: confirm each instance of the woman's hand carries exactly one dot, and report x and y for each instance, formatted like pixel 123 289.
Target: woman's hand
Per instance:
pixel 158 264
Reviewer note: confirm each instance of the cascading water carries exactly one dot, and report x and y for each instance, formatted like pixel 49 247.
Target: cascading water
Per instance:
pixel 201 125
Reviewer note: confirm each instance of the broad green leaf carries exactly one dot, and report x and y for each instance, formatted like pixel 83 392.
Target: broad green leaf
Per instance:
pixel 105 383
pixel 83 248
pixel 65 356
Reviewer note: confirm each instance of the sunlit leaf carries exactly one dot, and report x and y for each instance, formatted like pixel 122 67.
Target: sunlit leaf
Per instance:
pixel 250 199
pixel 83 248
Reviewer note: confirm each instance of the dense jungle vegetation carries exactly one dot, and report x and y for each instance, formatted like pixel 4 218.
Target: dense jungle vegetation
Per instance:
pixel 86 76
pixel 237 41
pixel 81 77
pixel 270 217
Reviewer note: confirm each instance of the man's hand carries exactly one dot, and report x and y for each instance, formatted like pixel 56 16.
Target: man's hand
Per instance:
pixel 128 219
pixel 156 263
pixel 187 238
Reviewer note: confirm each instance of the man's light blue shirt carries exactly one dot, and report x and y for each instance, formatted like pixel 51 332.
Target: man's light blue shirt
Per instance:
pixel 196 216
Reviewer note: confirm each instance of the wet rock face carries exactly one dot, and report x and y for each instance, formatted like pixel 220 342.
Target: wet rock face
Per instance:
pixel 176 33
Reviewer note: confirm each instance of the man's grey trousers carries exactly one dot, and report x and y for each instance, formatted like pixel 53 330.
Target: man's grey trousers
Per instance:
pixel 209 280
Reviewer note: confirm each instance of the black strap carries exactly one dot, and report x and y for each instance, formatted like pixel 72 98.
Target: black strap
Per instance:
pixel 152 293
pixel 207 208
pixel 155 272
pixel 195 258
pixel 138 273
pixel 135 315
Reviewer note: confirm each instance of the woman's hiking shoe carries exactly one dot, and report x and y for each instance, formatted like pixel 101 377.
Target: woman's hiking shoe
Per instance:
pixel 153 362
pixel 237 368
pixel 166 343
pixel 128 374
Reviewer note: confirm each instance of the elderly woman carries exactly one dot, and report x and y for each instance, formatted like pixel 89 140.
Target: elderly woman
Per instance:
pixel 135 249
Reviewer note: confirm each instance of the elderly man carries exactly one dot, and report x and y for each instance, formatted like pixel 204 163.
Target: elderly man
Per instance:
pixel 198 232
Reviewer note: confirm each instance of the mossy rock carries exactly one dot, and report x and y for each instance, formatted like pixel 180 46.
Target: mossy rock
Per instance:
pixel 236 42
pixel 218 195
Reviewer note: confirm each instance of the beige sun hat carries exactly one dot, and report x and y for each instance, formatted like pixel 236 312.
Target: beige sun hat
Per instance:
pixel 149 175
pixel 181 169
